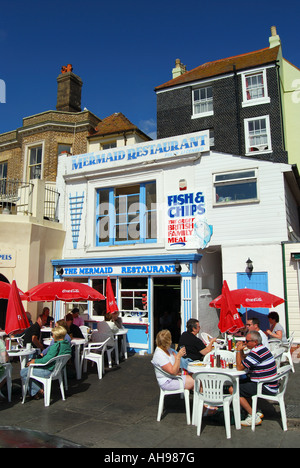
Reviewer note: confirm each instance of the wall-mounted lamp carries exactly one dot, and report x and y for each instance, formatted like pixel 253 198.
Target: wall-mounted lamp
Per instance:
pixel 59 271
pixel 249 265
pixel 177 267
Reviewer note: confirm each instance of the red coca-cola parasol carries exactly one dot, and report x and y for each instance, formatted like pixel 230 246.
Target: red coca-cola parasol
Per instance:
pixel 16 319
pixel 66 291
pixel 250 298
pixel 111 305
pixel 5 290
pixel 230 320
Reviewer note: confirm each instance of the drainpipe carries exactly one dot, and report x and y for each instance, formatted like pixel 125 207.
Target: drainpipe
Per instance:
pixel 285 291
pixel 238 114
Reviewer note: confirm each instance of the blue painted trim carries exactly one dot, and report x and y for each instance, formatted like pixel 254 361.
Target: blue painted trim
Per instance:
pixel 185 258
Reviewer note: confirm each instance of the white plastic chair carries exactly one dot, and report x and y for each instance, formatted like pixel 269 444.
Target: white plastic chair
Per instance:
pixel 56 374
pixel 209 390
pixel 278 353
pixel 185 392
pixel 84 330
pixel 287 353
pixel 7 375
pixel 94 352
pixel 282 376
pixel 274 344
pixel 99 337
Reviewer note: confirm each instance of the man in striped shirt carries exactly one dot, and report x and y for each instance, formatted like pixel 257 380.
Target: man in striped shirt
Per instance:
pixel 261 366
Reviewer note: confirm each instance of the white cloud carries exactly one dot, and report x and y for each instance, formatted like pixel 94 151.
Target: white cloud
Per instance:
pixel 149 127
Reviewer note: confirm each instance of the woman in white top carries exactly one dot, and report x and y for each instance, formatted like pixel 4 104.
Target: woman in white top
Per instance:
pixel 166 358
pixel 276 329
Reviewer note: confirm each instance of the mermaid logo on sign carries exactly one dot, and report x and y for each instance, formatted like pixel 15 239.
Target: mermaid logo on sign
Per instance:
pixel 203 232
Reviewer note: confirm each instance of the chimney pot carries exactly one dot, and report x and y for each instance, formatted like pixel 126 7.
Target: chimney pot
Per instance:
pixel 273 31
pixel 179 68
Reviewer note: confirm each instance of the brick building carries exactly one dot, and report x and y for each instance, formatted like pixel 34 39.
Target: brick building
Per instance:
pixel 31 151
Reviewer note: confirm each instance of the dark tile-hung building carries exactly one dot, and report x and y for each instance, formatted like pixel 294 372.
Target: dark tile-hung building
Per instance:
pixel 250 104
pixel 240 99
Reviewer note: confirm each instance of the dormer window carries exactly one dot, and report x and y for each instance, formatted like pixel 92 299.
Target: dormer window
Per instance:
pixel 255 89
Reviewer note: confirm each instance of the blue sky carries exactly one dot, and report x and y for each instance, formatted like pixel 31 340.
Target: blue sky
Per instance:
pixel 123 49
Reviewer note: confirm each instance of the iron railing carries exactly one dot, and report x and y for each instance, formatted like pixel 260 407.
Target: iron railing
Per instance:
pixel 51 204
pixel 16 197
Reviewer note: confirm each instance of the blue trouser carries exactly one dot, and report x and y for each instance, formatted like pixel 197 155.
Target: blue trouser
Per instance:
pixel 33 386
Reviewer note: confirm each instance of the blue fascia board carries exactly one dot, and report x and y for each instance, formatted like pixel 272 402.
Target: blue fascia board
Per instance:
pixel 185 258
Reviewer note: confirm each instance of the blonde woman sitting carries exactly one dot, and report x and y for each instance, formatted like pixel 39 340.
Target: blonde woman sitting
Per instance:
pixel 166 358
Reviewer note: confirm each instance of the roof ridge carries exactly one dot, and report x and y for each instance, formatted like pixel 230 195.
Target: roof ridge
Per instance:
pixel 228 58
pixel 221 66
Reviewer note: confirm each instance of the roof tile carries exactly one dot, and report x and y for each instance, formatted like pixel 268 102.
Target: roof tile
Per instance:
pixel 220 67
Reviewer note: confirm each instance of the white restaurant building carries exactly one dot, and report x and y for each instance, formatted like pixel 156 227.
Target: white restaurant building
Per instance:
pixel 168 220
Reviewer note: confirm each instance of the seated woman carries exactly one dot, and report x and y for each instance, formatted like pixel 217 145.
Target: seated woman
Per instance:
pixel 61 346
pixel 166 358
pixel 276 329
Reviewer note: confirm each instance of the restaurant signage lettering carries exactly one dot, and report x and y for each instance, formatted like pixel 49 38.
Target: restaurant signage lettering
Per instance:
pixel 166 147
pixel 7 258
pixel 153 269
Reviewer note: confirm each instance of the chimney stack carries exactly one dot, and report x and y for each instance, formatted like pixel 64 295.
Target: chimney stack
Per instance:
pixel 179 69
pixel 68 90
pixel 274 40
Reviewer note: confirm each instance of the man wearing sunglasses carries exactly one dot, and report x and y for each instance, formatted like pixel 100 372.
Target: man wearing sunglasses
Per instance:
pixel 261 366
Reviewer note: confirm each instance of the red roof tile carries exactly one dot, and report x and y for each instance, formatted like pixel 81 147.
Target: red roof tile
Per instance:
pixel 220 67
pixel 115 123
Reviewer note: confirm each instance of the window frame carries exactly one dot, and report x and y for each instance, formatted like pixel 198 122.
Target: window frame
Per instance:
pixel 196 115
pixel 3 169
pixel 235 181
pixel 112 216
pixel 248 147
pixel 27 166
pixel 256 101
pixel 3 176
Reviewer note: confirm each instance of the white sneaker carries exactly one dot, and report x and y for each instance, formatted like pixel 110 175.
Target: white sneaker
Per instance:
pixel 248 420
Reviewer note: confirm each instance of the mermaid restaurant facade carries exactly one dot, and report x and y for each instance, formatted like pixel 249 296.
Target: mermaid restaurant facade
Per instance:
pixel 157 218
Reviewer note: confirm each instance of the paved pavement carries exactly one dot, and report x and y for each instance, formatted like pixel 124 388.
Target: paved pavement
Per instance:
pixel 119 412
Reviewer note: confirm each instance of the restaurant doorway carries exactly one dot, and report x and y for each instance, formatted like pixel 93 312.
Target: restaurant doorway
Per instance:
pixel 166 306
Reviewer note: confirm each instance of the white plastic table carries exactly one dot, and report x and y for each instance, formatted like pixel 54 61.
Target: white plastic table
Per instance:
pixel 198 368
pixel 23 354
pixel 77 342
pixel 122 332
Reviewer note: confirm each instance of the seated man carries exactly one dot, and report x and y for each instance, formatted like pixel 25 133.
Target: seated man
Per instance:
pixel 195 348
pixel 253 325
pixel 261 366
pixel 32 334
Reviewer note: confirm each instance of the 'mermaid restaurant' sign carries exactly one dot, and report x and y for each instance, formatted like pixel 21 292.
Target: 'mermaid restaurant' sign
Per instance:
pixel 156 149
